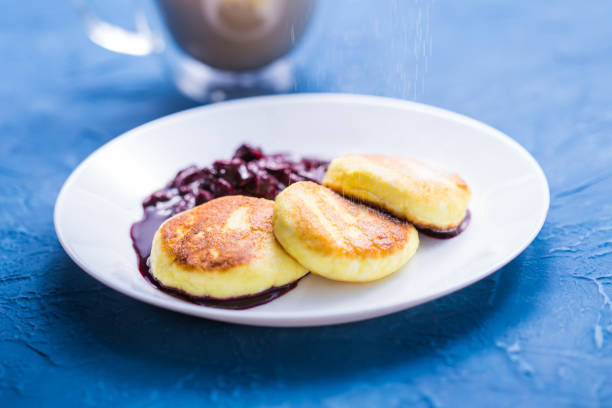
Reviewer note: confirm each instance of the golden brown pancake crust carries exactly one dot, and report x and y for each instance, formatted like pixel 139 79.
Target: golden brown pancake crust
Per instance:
pixel 334 224
pixel 426 196
pixel 220 234
pixel 405 167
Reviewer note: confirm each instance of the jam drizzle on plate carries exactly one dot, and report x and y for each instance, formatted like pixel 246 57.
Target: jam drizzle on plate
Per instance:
pixel 448 233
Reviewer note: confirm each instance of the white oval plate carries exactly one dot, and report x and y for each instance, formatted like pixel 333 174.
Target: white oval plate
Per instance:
pixel 102 198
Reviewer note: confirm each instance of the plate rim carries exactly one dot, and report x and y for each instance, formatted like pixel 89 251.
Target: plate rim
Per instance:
pixel 302 319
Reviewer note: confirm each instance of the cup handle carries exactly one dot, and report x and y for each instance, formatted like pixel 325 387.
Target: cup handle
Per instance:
pixel 117 39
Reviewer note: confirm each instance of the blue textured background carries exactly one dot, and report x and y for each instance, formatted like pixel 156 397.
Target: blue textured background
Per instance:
pixel 536 333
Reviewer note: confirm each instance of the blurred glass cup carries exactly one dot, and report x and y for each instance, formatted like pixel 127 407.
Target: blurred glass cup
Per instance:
pixel 216 49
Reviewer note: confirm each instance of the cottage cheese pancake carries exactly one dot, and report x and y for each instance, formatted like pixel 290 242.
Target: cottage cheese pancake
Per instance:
pixel 340 239
pixel 222 249
pixel 427 197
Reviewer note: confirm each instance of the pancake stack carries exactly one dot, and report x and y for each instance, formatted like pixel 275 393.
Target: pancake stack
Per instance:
pixel 358 226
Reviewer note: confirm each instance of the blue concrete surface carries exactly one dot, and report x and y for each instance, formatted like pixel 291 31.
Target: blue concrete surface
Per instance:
pixel 536 333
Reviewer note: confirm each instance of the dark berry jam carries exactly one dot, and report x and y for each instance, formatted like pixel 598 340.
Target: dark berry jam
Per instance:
pixel 249 172
pixel 449 233
pixel 236 303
